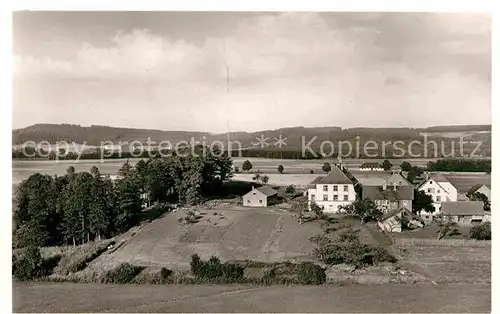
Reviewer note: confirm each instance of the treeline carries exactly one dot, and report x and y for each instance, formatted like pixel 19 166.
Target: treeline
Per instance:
pixel 460 165
pixel 32 153
pixel 80 207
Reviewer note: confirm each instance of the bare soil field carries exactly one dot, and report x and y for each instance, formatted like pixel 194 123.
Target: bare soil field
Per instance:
pixel 237 233
pixel 65 297
pixel 431 232
pixel 300 180
pixel 464 181
pixel 441 264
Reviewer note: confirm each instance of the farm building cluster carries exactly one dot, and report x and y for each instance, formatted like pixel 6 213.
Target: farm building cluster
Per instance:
pixel 392 193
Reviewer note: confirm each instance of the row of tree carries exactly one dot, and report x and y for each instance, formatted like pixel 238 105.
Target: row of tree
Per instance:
pixel 460 165
pixel 79 207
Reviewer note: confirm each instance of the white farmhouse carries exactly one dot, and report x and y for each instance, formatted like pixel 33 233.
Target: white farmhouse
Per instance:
pixel 441 191
pixel 332 191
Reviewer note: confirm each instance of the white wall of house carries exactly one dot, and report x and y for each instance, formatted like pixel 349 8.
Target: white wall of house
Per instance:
pixel 441 192
pixel 331 196
pixel 371 169
pixel 255 198
pixel 386 206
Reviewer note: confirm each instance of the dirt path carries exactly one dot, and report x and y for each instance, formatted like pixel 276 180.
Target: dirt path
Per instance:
pixel 271 244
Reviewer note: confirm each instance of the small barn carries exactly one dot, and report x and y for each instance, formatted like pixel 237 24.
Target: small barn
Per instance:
pixel 260 197
pixel 464 213
pixel 371 166
pixel 399 219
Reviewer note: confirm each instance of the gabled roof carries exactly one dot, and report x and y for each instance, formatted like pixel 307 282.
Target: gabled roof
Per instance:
pixel 371 165
pixel 438 177
pixel 397 178
pixel 335 176
pixel 477 187
pixel 267 190
pixel 462 208
pixel 395 212
pixel 378 193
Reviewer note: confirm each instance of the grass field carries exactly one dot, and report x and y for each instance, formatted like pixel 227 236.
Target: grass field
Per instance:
pixel 236 233
pixel 454 298
pixel 443 264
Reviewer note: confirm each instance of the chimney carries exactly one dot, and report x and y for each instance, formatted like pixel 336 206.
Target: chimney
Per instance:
pixel 384 186
pixel 394 187
pixel 253 187
pixel 426 176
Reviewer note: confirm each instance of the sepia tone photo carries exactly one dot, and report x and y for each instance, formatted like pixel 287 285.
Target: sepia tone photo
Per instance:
pixel 182 161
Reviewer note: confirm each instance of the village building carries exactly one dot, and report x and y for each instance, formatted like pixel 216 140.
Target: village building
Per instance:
pixel 397 219
pixel 371 166
pixel 440 189
pixel 260 197
pixel 464 213
pixel 389 197
pixel 481 188
pixel 332 191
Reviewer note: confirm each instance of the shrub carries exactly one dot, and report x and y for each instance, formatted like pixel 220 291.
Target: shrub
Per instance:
pixel 311 274
pixel 123 273
pixel 481 232
pixel 236 169
pixel 311 171
pixel 381 255
pixel 29 265
pixel 153 275
pixel 214 269
pixel 80 258
pixel 290 189
pixel 347 249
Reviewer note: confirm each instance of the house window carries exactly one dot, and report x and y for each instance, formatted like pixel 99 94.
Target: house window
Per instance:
pixel 248 201
pixel 438 198
pixel 346 197
pixel 335 188
pixel 325 188
pixel 430 182
pixel 439 191
pixel 254 193
pixel 325 197
pixel 260 201
pixel 313 197
pixel 346 188
pixel 430 190
pixel 335 197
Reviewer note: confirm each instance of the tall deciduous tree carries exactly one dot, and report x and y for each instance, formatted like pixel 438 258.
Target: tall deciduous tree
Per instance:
pixel 387 165
pixel 326 167
pixel 478 196
pixel 422 201
pixel 363 209
pixel 247 165
pixel 281 169
pixel 405 166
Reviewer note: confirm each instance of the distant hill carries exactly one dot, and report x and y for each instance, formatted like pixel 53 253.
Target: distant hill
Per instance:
pixel 294 137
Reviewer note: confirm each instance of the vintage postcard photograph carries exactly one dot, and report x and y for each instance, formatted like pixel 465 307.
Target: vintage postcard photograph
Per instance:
pixel 251 161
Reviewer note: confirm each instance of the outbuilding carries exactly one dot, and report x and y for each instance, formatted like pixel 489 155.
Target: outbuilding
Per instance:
pixel 260 197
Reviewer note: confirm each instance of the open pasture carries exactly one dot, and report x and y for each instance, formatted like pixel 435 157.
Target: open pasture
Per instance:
pixel 449 264
pixel 232 234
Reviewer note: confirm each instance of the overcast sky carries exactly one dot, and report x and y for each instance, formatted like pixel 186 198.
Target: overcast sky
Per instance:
pixel 167 70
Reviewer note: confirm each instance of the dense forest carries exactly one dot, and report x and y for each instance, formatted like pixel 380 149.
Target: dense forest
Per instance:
pixel 296 139
pixel 460 165
pixel 79 207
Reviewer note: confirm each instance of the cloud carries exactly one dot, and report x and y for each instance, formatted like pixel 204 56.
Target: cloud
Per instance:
pixel 284 69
